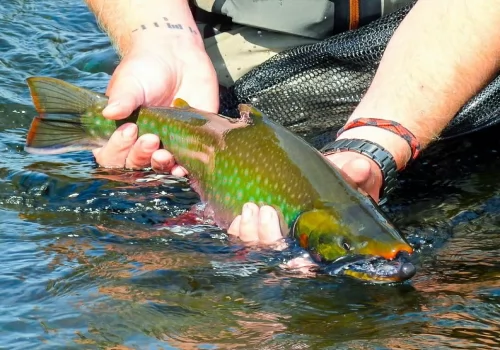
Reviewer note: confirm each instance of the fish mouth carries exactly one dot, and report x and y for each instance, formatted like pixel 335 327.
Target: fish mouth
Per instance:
pixel 374 269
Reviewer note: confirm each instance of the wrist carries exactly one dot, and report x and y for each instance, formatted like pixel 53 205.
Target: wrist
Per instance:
pixel 163 31
pixel 385 145
pixel 164 43
pixel 157 22
pixel 392 143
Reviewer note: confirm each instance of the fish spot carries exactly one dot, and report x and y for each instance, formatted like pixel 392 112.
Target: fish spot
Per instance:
pixel 239 194
pixel 258 192
pixel 237 182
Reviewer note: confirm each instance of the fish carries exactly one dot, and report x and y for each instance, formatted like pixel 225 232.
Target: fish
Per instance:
pixel 232 161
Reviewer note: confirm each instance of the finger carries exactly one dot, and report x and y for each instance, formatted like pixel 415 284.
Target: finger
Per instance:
pixel 125 94
pixel 179 171
pixel 301 265
pixel 269 225
pixel 249 223
pixel 162 161
pixel 362 173
pixel 234 228
pixel 359 170
pixel 140 155
pixel 115 152
pixel 301 262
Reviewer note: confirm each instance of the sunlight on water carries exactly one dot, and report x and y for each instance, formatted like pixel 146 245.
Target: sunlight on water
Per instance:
pixel 88 264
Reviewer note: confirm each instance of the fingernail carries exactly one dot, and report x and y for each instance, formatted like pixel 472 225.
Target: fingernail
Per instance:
pixel 129 132
pixel 247 212
pixel 112 108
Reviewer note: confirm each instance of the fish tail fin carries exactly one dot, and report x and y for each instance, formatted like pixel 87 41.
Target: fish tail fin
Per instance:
pixel 64 112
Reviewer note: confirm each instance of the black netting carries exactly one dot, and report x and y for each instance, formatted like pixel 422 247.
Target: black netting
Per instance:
pixel 312 89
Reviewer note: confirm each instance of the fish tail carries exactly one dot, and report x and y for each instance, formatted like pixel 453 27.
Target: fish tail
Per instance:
pixel 64 117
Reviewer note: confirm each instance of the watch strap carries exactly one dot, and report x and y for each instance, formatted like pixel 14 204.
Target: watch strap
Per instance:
pixel 375 152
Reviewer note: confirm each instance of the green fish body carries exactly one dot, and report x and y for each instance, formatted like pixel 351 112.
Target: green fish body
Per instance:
pixel 230 162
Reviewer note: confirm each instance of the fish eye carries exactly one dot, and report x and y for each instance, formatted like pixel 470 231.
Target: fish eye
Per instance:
pixel 346 245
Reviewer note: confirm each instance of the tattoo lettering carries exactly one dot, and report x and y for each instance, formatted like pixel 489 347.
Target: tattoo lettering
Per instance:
pixel 166 24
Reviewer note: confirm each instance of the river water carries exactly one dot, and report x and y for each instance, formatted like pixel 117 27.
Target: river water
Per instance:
pixel 86 263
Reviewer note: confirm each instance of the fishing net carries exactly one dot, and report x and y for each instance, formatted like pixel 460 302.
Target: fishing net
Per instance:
pixel 313 89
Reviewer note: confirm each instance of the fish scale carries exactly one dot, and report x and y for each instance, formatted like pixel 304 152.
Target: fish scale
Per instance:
pixel 232 162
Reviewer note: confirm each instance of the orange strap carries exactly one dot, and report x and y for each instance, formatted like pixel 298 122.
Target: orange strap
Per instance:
pixel 389 125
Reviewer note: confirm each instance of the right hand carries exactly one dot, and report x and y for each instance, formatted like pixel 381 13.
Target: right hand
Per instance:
pixel 154 75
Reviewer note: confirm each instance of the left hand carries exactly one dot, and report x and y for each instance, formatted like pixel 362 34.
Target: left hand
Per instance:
pixel 154 73
pixel 262 224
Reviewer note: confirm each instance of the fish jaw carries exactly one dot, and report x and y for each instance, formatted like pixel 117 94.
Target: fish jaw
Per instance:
pixel 374 269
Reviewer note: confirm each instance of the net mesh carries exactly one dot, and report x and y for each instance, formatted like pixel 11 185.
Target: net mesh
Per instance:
pixel 313 89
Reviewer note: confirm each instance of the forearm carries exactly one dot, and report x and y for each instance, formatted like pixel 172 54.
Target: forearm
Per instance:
pixel 440 56
pixel 131 21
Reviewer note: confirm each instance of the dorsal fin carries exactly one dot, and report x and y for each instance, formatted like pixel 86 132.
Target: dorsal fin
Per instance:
pixel 249 114
pixel 180 103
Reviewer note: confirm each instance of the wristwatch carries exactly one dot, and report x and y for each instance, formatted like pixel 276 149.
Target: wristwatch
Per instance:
pixel 375 152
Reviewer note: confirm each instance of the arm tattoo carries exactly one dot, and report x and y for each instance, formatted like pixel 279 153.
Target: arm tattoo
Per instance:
pixel 165 24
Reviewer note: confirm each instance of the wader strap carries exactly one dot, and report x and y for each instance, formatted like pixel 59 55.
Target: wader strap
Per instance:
pixel 217 7
pixel 352 14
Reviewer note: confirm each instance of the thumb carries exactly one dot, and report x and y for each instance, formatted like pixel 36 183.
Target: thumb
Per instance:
pixel 366 175
pixel 363 172
pixel 125 93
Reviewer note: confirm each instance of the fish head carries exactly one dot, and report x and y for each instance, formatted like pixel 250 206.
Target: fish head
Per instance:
pixel 356 242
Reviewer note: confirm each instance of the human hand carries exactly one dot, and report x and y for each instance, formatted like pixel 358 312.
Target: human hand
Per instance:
pixel 155 77
pixel 262 225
